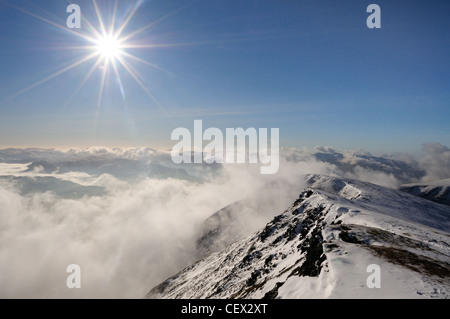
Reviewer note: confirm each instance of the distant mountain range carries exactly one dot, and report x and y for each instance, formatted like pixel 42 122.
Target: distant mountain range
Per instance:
pixel 62 188
pixel 438 191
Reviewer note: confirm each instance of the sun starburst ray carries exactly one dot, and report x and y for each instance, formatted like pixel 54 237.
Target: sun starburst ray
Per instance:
pixel 102 83
pixel 48 78
pixel 99 17
pixel 139 82
pixel 152 24
pixel 155 66
pixel 107 43
pixel 113 19
pixel 116 72
pixel 163 45
pixel 86 78
pixel 128 19
pixel 89 24
pixel 59 26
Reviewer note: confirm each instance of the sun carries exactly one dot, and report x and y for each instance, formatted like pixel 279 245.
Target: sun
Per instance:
pixel 108 47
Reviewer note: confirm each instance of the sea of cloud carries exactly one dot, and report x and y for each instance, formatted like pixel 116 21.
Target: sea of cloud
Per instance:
pixel 142 228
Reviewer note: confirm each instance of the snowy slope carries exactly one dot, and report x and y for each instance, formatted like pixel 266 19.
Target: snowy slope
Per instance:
pixel 322 245
pixel 438 191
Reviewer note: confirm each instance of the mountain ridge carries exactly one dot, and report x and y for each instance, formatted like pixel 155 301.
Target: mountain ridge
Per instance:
pixel 321 246
pixel 438 191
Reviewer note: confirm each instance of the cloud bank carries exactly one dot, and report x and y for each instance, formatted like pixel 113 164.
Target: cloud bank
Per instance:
pixel 436 162
pixel 136 215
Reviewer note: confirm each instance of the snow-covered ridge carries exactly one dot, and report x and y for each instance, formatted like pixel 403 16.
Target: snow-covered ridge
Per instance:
pixel 384 200
pixel 321 246
pixel 438 191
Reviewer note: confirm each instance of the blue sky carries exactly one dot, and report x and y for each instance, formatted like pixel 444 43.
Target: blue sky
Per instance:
pixel 311 68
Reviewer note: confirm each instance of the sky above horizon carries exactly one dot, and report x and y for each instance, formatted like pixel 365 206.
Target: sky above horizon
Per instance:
pixel 311 68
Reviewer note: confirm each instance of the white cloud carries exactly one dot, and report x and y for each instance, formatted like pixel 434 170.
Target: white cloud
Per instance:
pixel 436 162
pixel 13 168
pixel 142 230
pixel 125 241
